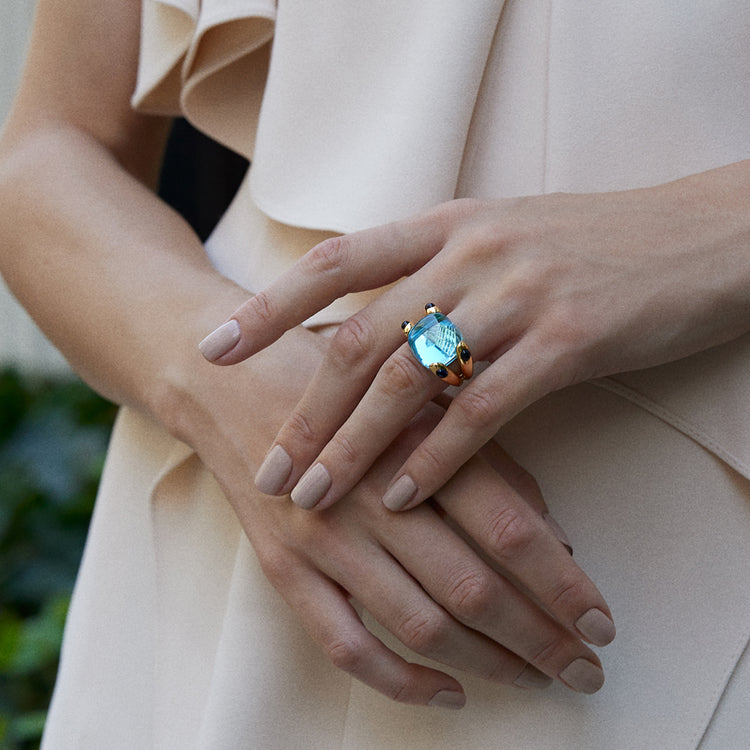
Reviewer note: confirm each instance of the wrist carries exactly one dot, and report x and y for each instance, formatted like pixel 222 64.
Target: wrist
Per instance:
pixel 197 401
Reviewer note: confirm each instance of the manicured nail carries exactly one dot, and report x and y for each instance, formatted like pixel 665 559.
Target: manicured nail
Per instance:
pixel 596 627
pixel 400 493
pixel 557 530
pixel 532 678
pixel 220 341
pixel 274 471
pixel 448 699
pixel 582 676
pixel 311 488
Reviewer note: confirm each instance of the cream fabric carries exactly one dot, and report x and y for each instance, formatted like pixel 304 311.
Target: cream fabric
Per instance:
pixel 369 112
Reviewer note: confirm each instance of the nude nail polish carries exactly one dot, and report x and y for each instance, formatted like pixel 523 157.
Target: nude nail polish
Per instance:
pixel 596 627
pixel 312 487
pixel 220 341
pixel 532 679
pixel 400 493
pixel 448 699
pixel 582 676
pixel 274 471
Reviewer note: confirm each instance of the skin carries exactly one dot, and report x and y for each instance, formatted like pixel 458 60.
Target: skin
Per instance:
pixel 551 290
pixel 123 287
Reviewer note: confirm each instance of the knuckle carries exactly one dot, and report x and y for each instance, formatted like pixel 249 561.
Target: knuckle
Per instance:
pixel 471 597
pixel 399 691
pixel 430 460
pixel 551 653
pixel 298 429
pixel 346 654
pixel 277 564
pixel 510 534
pixel 569 590
pixel 400 376
pixel 425 632
pixel 477 407
pixel 353 342
pixel 457 211
pixel 262 307
pixel 329 256
pixel 346 451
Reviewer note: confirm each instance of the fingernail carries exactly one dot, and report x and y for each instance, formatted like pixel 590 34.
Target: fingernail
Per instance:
pixel 532 678
pixel 448 699
pixel 582 676
pixel 596 627
pixel 400 493
pixel 274 471
pixel 311 488
pixel 557 530
pixel 220 341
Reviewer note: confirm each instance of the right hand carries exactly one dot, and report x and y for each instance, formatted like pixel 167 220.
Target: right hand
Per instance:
pixel 413 572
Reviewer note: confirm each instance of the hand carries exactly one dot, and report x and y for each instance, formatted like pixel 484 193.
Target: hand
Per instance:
pixel 415 573
pixel 551 290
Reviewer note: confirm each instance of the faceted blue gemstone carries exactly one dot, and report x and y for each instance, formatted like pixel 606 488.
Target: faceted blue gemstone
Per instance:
pixel 434 340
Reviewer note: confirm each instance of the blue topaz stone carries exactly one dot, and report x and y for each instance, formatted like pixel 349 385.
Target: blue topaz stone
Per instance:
pixel 434 340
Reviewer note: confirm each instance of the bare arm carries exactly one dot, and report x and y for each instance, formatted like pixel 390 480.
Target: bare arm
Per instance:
pixel 90 251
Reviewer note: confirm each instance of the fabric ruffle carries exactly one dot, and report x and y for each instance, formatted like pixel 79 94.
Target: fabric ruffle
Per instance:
pixel 327 156
pixel 206 60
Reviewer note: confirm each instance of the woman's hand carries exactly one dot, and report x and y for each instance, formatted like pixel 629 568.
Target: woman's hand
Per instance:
pixel 551 290
pixel 417 574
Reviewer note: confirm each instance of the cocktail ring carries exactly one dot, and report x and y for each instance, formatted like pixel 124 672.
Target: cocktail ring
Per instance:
pixel 439 346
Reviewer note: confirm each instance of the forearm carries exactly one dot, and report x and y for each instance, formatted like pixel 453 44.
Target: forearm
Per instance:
pixel 116 279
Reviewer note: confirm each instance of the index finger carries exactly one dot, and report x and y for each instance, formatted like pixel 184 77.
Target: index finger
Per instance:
pixel 355 262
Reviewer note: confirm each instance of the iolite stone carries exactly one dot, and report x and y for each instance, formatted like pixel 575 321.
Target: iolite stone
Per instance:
pixel 434 340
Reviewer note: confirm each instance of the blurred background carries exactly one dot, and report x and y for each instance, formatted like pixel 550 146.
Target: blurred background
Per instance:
pixel 54 432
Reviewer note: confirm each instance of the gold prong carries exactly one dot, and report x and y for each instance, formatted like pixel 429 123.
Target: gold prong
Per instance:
pixel 465 360
pixel 406 327
pixel 431 308
pixel 446 375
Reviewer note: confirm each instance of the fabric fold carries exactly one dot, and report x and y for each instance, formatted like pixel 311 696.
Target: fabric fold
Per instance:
pixel 361 144
pixel 700 396
pixel 347 161
pixel 198 59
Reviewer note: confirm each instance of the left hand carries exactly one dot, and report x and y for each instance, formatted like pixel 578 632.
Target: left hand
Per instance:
pixel 551 290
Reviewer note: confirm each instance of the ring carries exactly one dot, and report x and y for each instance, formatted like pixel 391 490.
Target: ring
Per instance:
pixel 439 346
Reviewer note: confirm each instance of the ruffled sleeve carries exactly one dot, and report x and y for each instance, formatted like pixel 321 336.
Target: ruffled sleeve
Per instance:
pixel 206 60
pixel 361 115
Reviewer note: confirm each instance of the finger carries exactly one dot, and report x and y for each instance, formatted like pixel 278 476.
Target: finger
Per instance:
pixel 477 596
pixel 350 263
pixel 520 480
pixel 518 378
pixel 384 412
pixel 524 485
pixel 329 617
pixel 401 387
pixel 514 535
pixel 354 356
pixel 399 603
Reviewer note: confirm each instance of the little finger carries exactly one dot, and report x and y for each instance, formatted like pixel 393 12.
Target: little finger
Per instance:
pixel 329 617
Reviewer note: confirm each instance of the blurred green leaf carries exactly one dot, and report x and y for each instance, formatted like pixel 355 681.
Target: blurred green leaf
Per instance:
pixel 38 641
pixel 28 727
pixel 53 438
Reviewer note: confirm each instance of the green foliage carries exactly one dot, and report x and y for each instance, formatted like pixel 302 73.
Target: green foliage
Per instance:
pixel 53 436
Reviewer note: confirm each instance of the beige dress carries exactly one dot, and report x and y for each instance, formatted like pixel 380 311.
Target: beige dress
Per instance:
pixel 371 111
